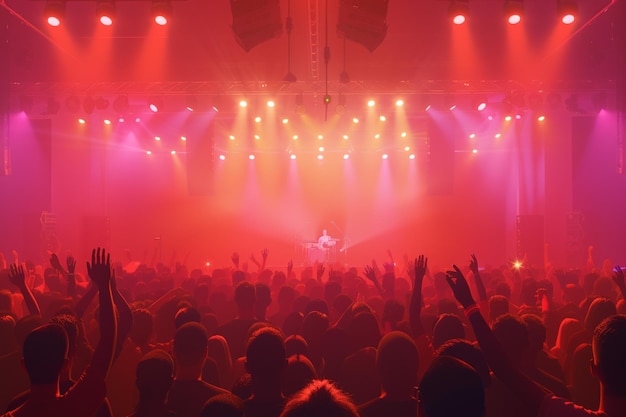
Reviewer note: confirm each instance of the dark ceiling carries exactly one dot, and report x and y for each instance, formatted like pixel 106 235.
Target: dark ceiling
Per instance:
pixel 198 53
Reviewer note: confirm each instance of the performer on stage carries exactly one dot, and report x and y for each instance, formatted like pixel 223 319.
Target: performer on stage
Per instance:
pixel 325 241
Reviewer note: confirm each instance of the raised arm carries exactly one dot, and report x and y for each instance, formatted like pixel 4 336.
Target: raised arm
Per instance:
pixel 525 388
pixel 71 277
pixel 17 277
pixel 100 273
pixel 480 286
pixel 618 279
pixel 370 274
pixel 125 315
pixel 415 305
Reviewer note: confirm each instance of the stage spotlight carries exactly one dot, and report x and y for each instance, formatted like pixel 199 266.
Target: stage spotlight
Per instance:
pixel 120 104
pixel 191 103
pixel 567 10
pixel 155 104
pixel 105 10
pixel 513 11
pixel 161 11
pixel 459 11
pixel 54 12
pixel 481 103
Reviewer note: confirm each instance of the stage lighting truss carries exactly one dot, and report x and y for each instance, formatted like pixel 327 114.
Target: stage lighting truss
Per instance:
pixel 54 12
pixel 567 11
pixel 459 11
pixel 513 11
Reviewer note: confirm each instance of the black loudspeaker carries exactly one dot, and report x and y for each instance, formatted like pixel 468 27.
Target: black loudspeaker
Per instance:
pixel 255 21
pixel 200 164
pixel 530 238
pixel 363 21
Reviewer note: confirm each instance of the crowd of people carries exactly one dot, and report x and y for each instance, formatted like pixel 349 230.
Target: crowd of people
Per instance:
pixel 395 339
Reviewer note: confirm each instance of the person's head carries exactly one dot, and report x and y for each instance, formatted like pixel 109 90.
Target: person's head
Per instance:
pixel 70 324
pixel 142 327
pixel 364 331
pixel 468 353
pixel 299 372
pixel 609 361
pixel 498 305
pixel 320 398
pixel 324 232
pixel 296 345
pixel 536 331
pixel 599 309
pixel 187 315
pixel 447 327
pixel 190 345
pixel 286 297
pixel 45 354
pixel 223 405
pixel 7 334
pixel 154 375
pixel 451 387
pixel 397 363
pixel 245 295
pixel 513 335
pixel 265 355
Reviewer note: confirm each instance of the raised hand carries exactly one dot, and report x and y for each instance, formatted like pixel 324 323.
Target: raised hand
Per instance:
pixel 235 258
pixel 17 276
pixel 618 277
pixel 100 268
pixel 55 262
pixel 71 264
pixel 420 268
pixel 473 265
pixel 289 268
pixel 370 273
pixel 459 286
pixel 264 254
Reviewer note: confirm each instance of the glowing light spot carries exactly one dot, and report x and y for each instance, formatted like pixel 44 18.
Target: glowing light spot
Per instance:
pixel 285 121
pixel 106 20
pixel 403 135
pixel 355 120
pixel 320 137
pixel 399 102
pixel 474 150
pixel 121 120
pixel 148 152
pixel 472 135
pixel 295 137
pixel 427 107
pixel 257 119
pixel 271 103
pixel 137 120
pixel 407 148
pixel 514 19
pixel 412 156
pixel 292 156
pixel 154 107
pixel 482 106
pixel 54 21
pixel 173 152
pixel 498 135
pixel 157 138
pixel 320 157
pixel 568 19
pixel 243 103
pixel 490 117
pixel 257 137
pixel 346 156
pixel 222 157
pixel 508 118
pixel 371 103
pixel 107 122
pixel 183 138
pixel 160 20
pixel 377 136
pixel 517 264
pixel 541 118
pixel 251 157
pixel 518 117
pixel 82 121
pixel 346 137
pixel 321 149
pixel 459 19
pixel 385 156
pixel 452 107
pixel 231 137
pixel 382 118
